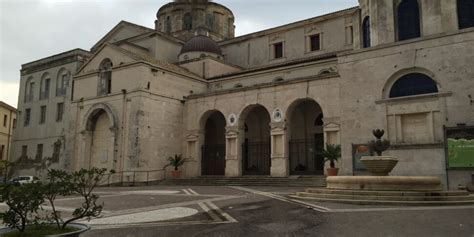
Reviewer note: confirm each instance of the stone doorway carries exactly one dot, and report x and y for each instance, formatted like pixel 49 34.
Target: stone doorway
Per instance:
pixel 213 150
pixel 306 138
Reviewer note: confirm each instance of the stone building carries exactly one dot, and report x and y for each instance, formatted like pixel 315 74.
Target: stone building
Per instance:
pixel 263 103
pixel 8 115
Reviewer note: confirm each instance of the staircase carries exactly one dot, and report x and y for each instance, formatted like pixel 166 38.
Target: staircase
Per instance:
pixel 401 198
pixel 296 181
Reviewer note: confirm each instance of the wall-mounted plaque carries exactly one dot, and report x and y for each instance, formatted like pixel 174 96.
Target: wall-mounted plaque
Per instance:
pixel 277 115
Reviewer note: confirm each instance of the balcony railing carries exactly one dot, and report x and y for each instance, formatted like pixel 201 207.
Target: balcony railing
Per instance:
pixel 28 98
pixel 61 91
pixel 44 95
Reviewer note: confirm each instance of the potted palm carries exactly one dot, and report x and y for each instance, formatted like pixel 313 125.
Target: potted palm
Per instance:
pixel 176 161
pixel 332 153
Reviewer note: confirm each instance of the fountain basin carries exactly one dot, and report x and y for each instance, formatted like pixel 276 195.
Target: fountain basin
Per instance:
pixel 385 183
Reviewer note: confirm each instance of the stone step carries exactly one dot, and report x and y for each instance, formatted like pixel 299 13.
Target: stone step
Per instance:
pixel 389 203
pixel 386 198
pixel 387 193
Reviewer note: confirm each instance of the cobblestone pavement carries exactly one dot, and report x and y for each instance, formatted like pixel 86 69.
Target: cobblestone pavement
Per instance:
pixel 259 211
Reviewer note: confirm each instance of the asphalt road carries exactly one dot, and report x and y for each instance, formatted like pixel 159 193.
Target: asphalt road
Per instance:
pixel 266 212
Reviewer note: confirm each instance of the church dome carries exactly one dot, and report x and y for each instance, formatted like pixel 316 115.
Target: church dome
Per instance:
pixel 201 43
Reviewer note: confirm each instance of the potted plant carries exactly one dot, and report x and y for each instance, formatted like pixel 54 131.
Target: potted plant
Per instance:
pixel 379 165
pixel 176 161
pixel 25 217
pixel 332 153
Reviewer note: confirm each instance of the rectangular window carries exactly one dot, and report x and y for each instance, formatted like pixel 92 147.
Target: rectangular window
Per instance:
pixel 2 147
pixel 278 50
pixel 39 152
pixel 14 123
pixel 5 119
pixel 315 42
pixel 27 117
pixel 43 114
pixel 60 112
pixel 24 152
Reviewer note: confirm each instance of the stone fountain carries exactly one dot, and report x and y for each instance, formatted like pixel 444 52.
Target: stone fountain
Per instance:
pixel 380 167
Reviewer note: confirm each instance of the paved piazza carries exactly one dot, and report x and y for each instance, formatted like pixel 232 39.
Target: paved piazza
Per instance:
pixel 259 211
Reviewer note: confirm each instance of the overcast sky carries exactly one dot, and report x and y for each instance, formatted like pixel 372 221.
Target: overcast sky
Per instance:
pixel 34 29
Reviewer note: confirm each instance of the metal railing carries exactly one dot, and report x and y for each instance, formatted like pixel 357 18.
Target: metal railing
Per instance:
pixel 133 178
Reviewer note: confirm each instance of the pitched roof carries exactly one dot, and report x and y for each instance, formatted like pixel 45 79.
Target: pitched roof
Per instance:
pixel 158 63
pixel 115 29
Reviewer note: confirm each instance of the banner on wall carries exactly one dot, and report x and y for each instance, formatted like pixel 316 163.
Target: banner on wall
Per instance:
pixel 460 147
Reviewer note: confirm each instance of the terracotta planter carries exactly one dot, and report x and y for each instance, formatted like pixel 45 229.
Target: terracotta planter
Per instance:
pixel 379 165
pixel 332 171
pixel 176 174
pixel 81 229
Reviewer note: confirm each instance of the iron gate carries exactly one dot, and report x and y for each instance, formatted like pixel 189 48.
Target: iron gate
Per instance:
pixel 213 160
pixel 306 156
pixel 256 158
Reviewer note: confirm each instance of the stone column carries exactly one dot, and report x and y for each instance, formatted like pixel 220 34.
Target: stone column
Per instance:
pixel 233 155
pixel 194 142
pixel 279 150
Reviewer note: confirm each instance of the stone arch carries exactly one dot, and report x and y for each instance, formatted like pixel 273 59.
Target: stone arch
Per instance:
pixel 305 126
pixel 205 116
pixel 213 151
pixel 254 122
pixel 403 72
pixel 94 111
pixel 99 138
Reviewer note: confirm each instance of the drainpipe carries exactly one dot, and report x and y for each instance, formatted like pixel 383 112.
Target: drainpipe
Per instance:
pixel 122 145
pixel 9 136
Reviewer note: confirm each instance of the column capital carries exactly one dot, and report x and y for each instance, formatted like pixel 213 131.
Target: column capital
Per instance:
pixel 278 127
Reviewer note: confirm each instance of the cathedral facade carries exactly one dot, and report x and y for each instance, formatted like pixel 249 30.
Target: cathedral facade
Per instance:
pixel 265 103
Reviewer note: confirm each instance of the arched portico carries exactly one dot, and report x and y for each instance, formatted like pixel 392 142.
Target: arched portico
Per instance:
pixel 213 150
pixel 306 138
pixel 255 123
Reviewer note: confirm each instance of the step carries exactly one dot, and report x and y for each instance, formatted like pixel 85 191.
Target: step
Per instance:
pixel 387 198
pixel 390 203
pixel 387 193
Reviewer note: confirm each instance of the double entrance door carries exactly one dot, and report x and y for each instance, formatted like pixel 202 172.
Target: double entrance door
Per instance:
pixel 306 156
pixel 213 160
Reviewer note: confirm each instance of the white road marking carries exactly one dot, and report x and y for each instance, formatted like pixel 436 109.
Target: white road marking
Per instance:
pixel 150 216
pixel 193 192
pixel 186 191
pixel 222 213
pixel 209 211
pixel 284 199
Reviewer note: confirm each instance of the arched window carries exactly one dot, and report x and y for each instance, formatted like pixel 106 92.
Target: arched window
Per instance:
pixel 62 82
pixel 45 86
pixel 366 32
pixel 465 13
pixel 29 90
pixel 413 84
pixel 187 21
pixel 168 25
pixel 105 77
pixel 408 20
